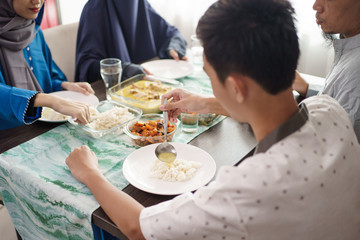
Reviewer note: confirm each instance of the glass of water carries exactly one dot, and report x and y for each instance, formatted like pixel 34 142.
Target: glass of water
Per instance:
pixel 110 70
pixel 196 50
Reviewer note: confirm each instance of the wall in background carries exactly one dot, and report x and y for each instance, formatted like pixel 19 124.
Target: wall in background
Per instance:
pixel 316 57
pixel 70 10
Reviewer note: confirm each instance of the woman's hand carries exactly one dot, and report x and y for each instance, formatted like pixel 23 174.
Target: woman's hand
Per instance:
pixel 77 110
pixel 83 164
pixel 174 54
pixel 82 87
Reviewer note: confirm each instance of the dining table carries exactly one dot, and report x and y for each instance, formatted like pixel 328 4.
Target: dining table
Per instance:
pixel 43 198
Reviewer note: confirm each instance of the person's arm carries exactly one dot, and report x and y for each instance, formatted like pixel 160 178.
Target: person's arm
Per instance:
pixel 169 41
pixel 120 207
pixel 174 48
pixel 131 69
pixel 183 101
pixel 15 105
pixel 79 111
pixel 300 85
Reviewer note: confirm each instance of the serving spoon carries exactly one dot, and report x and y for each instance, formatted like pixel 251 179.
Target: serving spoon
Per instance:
pixel 165 152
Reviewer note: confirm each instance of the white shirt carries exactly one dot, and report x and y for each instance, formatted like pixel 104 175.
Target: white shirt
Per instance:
pixel 305 186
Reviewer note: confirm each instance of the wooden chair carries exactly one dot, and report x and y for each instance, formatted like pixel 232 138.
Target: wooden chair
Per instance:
pixel 62 43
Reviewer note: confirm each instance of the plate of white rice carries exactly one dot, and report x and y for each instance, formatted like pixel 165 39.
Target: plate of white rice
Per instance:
pixel 192 169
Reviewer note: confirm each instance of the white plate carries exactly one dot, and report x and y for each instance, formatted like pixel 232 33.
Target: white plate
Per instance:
pixel 168 68
pixel 75 96
pixel 136 169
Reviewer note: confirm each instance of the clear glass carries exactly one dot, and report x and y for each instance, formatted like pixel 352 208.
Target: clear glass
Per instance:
pixel 111 71
pixel 196 51
pixel 189 122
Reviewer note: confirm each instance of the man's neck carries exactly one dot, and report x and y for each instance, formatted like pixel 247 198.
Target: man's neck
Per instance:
pixel 271 112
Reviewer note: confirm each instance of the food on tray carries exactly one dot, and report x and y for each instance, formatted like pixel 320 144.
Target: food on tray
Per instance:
pixel 144 94
pixel 145 90
pixel 207 118
pixel 151 132
pixel 180 170
pixel 108 119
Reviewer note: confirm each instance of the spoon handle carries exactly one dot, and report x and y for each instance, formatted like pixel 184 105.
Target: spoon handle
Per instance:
pixel 165 119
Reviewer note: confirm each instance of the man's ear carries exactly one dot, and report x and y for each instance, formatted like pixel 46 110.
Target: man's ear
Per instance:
pixel 237 87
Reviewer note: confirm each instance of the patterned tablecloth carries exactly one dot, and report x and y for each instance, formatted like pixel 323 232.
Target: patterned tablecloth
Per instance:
pixel 44 200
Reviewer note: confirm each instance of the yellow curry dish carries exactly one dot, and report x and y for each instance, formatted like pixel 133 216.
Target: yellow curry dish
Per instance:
pixel 144 94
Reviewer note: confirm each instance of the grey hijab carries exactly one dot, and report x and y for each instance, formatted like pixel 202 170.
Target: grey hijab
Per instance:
pixel 15 34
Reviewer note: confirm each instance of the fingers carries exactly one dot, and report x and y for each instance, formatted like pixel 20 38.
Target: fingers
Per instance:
pixel 82 113
pixel 174 54
pixel 169 106
pixel 88 88
pixel 147 72
pixel 184 58
pixel 175 94
pixel 82 87
pixel 173 114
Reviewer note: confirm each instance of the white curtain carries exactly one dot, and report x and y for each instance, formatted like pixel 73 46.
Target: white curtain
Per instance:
pixel 184 14
pixel 315 59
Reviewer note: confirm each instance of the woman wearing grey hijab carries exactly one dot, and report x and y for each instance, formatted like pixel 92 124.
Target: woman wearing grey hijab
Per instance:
pixel 27 71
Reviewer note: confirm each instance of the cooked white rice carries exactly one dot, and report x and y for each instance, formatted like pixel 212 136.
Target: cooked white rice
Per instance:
pixel 181 170
pixel 109 119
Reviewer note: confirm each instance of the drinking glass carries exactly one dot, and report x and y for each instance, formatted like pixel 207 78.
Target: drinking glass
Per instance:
pixel 110 70
pixel 189 122
pixel 196 50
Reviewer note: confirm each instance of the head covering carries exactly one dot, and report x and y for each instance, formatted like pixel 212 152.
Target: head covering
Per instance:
pixel 130 30
pixel 15 34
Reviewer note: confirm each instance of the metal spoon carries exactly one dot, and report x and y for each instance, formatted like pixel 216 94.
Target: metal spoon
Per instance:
pixel 165 152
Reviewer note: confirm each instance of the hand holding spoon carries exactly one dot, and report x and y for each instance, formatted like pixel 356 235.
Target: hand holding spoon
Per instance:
pixel 165 152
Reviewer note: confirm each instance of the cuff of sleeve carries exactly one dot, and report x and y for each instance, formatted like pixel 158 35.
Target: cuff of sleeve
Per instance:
pixel 21 98
pixel 177 43
pixel 57 85
pixel 130 70
pixel 32 112
pixel 313 90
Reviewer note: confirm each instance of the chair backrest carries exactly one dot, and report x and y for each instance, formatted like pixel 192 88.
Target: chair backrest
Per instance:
pixel 62 43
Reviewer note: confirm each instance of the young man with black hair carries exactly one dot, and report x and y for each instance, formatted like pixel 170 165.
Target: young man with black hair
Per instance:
pixel 303 181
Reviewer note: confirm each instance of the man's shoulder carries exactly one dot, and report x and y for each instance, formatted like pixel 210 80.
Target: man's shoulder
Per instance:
pixel 323 102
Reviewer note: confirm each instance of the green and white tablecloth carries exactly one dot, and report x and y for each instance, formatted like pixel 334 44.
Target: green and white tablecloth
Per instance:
pixel 41 195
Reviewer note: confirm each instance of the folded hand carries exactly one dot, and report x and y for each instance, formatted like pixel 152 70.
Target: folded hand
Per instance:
pixel 82 87
pixel 83 163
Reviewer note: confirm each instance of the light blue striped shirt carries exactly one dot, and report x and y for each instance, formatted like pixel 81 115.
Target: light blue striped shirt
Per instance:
pixel 343 80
